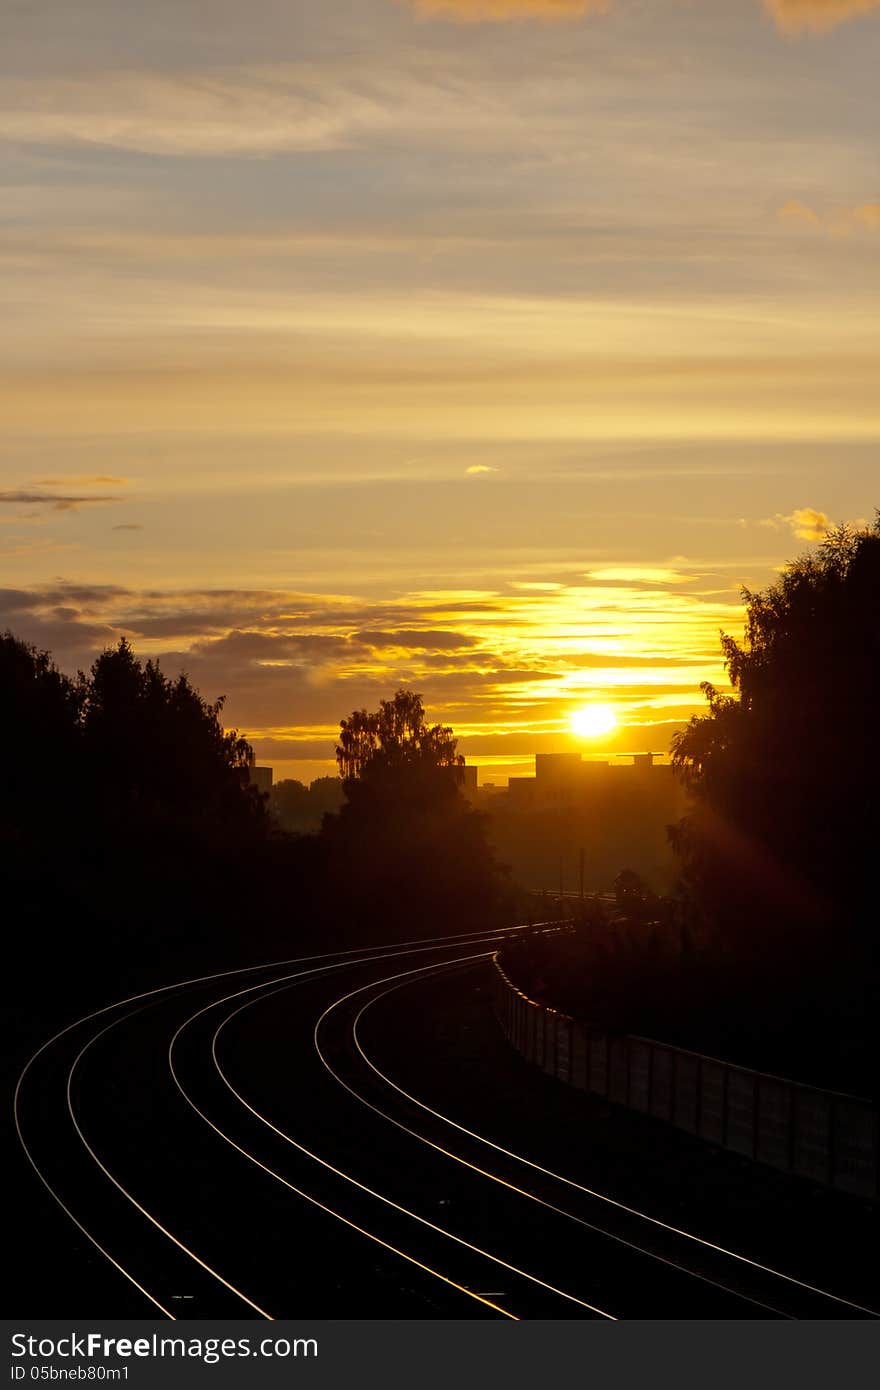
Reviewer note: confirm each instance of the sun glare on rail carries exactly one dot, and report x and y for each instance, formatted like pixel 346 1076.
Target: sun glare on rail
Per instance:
pixel 593 720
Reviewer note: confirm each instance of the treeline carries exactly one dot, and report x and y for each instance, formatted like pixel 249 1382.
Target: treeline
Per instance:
pixel 129 838
pixel 133 848
pixel 300 808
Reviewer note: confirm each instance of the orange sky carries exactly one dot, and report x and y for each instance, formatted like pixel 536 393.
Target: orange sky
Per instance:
pixel 484 346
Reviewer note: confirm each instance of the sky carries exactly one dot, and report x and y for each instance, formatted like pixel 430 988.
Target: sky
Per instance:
pixel 485 347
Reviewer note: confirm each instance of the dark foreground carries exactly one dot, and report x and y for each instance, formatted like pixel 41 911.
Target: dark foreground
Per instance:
pixel 251 1154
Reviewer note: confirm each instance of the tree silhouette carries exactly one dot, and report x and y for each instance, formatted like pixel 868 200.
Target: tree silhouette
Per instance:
pixel 299 808
pixel 127 829
pixel 40 711
pixel 784 774
pixel 155 746
pixel 289 800
pixel 406 842
pixel 396 735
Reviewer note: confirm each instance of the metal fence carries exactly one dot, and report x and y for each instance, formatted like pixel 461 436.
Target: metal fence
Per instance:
pixel 825 1136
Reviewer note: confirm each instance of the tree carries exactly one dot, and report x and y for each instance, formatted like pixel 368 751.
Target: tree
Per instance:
pixel 397 735
pixel 289 800
pixel 300 809
pixel 40 711
pixel 325 794
pixel 128 831
pixel 406 844
pixel 154 746
pixel 785 774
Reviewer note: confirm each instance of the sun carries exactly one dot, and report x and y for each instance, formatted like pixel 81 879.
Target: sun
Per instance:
pixel 592 720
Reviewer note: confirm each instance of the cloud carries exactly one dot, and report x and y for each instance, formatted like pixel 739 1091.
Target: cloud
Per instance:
pixel 817 16
pixel 291 663
pixel 128 526
pixel 83 480
pixel 242 110
pixel 58 501
pixel 212 113
pixel 839 221
pixel 19 601
pixel 805 523
pixel 808 524
pixel 796 211
pixel 868 214
pixel 425 640
pixel 637 574
pixel 476 469
pixel 481 11
pixel 791 16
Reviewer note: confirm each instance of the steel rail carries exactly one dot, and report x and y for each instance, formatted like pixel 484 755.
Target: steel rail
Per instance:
pixel 427 972
pixel 349 1178
pixel 602 1196
pixel 352 954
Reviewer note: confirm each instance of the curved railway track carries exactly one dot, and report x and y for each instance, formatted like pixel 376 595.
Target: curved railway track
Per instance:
pixel 228 1146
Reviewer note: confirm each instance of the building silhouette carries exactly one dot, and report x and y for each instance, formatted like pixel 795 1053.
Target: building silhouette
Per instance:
pixel 259 777
pixel 567 779
pixel 581 820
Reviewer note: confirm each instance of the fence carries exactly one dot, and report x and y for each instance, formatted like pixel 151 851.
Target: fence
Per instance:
pixel 825 1136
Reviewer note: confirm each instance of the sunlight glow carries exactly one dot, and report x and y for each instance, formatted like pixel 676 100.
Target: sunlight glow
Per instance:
pixel 593 720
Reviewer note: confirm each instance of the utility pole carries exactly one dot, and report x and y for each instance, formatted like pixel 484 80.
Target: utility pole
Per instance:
pixel 582 872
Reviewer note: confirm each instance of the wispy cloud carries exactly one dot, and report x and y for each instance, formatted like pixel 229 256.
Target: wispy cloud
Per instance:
pixel 637 574
pixel 334 102
pixel 816 16
pixel 322 106
pixel 796 211
pixel 791 16
pixel 205 113
pixel 58 501
pixel 415 640
pixel 83 480
pixel 834 220
pixel 481 11
pixel 478 469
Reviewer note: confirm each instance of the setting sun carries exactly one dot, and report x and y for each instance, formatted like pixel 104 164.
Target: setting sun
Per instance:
pixel 592 720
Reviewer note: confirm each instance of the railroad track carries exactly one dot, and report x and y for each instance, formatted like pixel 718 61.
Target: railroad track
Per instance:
pixel 228 1147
